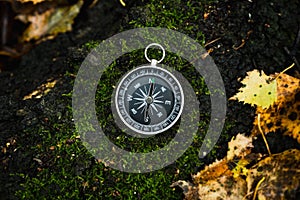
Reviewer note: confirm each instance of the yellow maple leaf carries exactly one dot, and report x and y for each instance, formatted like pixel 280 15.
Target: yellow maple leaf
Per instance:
pixel 259 90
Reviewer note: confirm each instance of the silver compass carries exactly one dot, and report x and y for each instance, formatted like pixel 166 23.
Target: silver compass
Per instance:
pixel 149 99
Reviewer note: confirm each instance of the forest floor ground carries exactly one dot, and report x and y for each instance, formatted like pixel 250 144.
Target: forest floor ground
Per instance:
pixel 43 158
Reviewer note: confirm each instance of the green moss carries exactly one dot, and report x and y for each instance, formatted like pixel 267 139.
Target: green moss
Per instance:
pixel 91 44
pixel 177 15
pixel 68 171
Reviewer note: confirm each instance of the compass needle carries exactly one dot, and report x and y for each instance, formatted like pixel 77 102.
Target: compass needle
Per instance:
pixel 151 110
pixel 154 89
pixel 146 113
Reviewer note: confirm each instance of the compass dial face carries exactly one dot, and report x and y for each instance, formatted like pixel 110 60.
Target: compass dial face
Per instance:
pixel 149 100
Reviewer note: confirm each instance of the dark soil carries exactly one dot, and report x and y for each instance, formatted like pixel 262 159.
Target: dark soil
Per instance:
pixel 265 27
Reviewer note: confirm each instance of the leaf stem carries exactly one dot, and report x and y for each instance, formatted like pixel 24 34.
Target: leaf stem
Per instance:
pixel 262 133
pixel 285 70
pixel 256 188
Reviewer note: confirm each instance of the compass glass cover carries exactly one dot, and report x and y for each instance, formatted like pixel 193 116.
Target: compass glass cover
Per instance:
pixel 149 99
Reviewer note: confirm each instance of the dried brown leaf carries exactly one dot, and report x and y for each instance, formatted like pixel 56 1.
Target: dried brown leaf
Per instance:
pixel 223 188
pixel 48 24
pixel 239 147
pixel 284 115
pixel 281 172
pixel 213 171
pixel 190 191
pixel 219 180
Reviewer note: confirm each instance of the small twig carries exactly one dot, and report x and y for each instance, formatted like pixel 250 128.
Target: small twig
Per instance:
pixel 262 133
pixel 123 3
pixel 203 56
pixel 256 188
pixel 244 198
pixel 93 3
pixel 240 46
pixel 285 70
pixel 243 41
pixel 213 41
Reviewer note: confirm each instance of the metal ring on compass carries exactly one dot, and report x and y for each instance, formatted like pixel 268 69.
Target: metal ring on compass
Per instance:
pixel 161 47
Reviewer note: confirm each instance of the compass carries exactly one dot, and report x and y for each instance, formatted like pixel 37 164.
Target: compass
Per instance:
pixel 149 99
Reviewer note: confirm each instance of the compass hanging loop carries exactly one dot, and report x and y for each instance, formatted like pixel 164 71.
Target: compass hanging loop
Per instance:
pixel 153 61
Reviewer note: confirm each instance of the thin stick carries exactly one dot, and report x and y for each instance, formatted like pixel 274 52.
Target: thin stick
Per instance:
pixel 123 3
pixel 285 70
pixel 262 133
pixel 212 42
pixel 244 198
pixel 256 188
